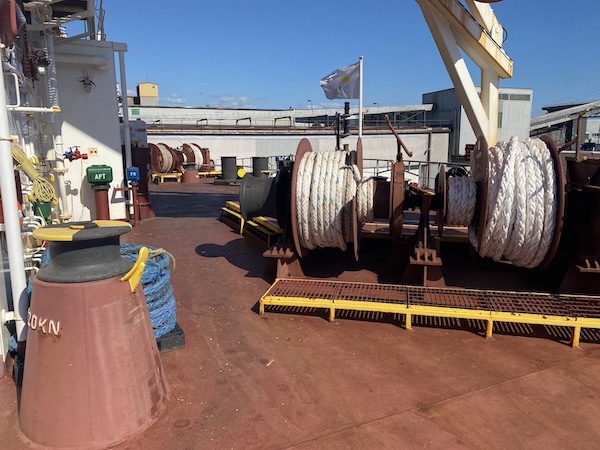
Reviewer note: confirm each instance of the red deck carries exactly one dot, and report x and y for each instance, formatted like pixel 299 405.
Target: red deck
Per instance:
pixel 297 381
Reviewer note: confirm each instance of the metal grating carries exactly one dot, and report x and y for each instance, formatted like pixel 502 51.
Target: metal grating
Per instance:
pixel 582 306
pixel 501 301
pixel 338 290
pixel 451 298
pixel 509 311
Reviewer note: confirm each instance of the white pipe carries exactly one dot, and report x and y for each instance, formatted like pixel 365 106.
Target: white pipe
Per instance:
pixel 67 58
pixel 17 106
pixel 11 221
pixel 59 151
pixel 360 96
pixel 40 109
pixel 17 91
pixel 126 124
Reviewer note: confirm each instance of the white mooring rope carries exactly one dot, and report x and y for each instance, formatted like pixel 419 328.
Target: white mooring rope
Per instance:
pixel 461 195
pixel 521 206
pixel 167 158
pixel 325 188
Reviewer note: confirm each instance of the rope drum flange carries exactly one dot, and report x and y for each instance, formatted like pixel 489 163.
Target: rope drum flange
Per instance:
pixel 189 157
pixel 329 200
pixel 164 158
pixel 513 204
pixel 193 154
pixel 203 159
pixel 180 158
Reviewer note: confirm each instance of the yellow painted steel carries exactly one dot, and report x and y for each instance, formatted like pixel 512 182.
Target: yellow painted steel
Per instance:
pixel 134 276
pixel 261 225
pixel 211 173
pixel 167 176
pixel 234 206
pixel 66 234
pixel 267 224
pixel 408 311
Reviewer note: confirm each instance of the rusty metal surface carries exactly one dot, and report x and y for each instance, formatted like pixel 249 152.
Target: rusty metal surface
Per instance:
pixel 332 290
pixel 397 200
pixel 480 168
pixel 582 306
pixel 442 191
pixel 560 200
pixel 303 148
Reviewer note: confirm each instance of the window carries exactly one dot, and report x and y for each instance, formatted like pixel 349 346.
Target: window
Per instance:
pixel 525 97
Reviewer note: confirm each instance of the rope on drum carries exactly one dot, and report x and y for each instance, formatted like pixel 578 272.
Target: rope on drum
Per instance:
pixel 325 188
pixel 521 204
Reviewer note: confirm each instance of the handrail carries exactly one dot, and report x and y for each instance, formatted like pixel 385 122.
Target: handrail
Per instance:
pixel 400 143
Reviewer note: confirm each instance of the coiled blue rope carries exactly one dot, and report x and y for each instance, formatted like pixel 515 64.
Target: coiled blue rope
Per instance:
pixel 156 283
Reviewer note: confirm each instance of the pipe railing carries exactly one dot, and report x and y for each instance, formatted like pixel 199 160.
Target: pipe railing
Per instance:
pixel 321 125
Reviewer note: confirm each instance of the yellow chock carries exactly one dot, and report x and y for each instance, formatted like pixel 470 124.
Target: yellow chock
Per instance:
pixel 134 276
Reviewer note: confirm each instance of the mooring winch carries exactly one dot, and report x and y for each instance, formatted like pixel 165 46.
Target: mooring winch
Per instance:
pixel 513 204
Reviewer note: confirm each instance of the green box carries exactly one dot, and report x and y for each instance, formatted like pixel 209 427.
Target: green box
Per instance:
pixel 99 176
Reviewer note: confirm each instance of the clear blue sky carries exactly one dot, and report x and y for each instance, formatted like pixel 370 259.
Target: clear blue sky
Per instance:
pixel 272 53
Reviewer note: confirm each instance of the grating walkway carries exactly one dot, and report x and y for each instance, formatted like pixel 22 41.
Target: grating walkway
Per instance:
pixel 576 312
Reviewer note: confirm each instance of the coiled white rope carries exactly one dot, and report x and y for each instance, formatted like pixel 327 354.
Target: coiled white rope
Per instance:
pixel 198 154
pixel 325 188
pixel 167 158
pixel 521 207
pixel 461 195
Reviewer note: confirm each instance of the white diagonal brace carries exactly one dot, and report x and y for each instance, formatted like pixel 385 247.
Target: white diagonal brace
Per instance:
pixel 457 69
pixel 483 13
pixel 473 37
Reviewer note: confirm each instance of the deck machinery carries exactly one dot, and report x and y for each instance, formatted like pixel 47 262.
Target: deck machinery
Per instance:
pixel 568 266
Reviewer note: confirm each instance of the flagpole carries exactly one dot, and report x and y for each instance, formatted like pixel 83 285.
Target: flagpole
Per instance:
pixel 360 96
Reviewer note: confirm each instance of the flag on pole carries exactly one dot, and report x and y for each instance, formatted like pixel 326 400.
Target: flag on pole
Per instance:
pixel 343 82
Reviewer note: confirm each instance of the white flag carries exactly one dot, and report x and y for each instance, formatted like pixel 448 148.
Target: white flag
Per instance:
pixel 343 82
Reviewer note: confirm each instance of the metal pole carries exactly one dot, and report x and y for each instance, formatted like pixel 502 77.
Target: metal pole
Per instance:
pixel 126 124
pixel 60 170
pixel 360 96
pixel 11 221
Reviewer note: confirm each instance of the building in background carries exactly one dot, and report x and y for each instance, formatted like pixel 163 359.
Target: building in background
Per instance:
pixel 147 95
pixel 514 117
pixel 563 120
pixel 275 133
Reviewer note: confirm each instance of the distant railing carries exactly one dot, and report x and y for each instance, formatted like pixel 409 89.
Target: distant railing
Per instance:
pixel 423 173
pixel 282 125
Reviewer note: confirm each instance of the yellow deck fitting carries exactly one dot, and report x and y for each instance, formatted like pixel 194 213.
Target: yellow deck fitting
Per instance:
pixel 573 311
pixel 262 228
pixel 210 173
pixel 73 232
pixel 167 176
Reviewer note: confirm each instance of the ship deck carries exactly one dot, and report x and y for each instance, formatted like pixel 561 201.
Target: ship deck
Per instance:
pixel 293 379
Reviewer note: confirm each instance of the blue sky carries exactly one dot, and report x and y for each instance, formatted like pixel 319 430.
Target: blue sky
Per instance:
pixel 272 53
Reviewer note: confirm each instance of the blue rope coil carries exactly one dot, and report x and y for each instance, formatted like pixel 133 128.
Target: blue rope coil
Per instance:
pixel 156 283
